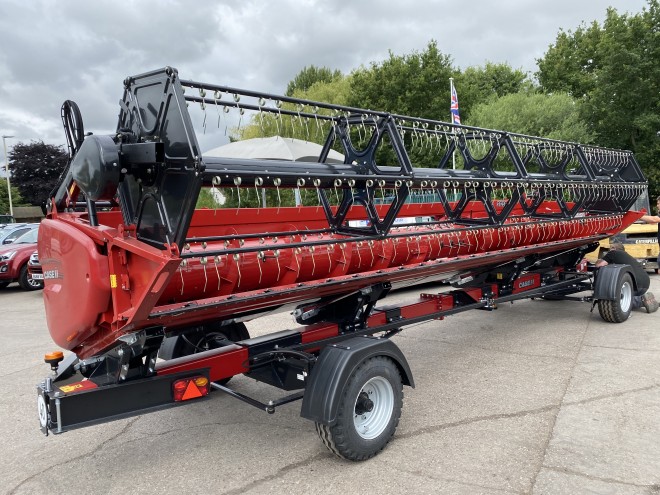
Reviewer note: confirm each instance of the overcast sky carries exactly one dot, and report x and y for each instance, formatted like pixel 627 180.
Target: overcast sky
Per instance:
pixel 82 50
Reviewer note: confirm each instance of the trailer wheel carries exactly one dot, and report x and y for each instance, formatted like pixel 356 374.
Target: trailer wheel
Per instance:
pixel 199 340
pixel 618 310
pixel 368 412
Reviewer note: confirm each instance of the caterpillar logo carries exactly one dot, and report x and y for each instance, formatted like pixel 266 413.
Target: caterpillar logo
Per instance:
pixel 645 241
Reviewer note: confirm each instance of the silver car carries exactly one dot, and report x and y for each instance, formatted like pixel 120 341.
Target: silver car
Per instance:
pixel 13 231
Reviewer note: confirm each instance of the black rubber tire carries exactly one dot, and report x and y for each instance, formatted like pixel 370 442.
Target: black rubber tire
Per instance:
pixel 618 310
pixel 180 345
pixel 343 438
pixel 4 284
pixel 26 282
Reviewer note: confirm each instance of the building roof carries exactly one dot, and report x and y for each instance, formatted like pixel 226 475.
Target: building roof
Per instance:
pixel 22 213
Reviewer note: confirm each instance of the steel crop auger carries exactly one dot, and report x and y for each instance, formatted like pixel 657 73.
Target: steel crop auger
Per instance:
pixel 500 216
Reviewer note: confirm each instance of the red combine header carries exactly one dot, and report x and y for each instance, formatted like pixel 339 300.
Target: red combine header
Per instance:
pixel 134 272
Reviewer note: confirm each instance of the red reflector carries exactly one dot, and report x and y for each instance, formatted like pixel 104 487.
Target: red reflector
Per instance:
pixel 190 388
pixel 192 392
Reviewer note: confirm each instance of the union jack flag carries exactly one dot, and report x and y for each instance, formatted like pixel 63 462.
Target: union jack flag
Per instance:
pixel 455 117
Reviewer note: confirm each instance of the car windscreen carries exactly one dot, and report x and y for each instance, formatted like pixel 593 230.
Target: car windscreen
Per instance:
pixel 11 236
pixel 28 238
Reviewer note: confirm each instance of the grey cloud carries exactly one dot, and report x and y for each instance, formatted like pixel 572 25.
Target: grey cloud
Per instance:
pixel 83 50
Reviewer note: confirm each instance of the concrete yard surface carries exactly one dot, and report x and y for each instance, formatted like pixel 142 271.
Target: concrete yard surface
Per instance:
pixel 537 397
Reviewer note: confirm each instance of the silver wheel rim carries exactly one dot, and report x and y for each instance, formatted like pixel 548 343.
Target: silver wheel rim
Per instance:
pixel 42 410
pixel 625 298
pixel 370 424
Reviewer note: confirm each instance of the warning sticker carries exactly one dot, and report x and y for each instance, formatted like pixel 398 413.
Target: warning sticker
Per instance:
pixel 78 386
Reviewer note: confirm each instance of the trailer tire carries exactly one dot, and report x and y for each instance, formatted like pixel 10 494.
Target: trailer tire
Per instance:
pixel 368 413
pixel 198 341
pixel 618 310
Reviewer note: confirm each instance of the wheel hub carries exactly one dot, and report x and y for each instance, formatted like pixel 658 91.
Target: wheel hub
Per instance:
pixel 363 404
pixel 625 298
pixel 373 408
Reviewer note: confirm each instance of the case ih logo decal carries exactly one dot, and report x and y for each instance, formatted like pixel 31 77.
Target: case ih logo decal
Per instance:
pixel 51 274
pixel 526 283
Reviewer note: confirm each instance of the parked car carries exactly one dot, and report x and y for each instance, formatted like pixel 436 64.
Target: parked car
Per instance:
pixel 6 219
pixel 14 259
pixel 12 232
pixel 34 268
pixel 4 226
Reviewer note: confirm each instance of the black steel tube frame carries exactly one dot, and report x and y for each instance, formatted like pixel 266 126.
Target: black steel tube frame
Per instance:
pixel 502 140
pixel 268 407
pixel 346 111
pixel 158 197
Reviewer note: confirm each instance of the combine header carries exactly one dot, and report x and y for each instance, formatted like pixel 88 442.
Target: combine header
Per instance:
pixel 134 272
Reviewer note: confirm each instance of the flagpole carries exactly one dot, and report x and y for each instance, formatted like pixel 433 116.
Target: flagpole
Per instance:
pixel 453 129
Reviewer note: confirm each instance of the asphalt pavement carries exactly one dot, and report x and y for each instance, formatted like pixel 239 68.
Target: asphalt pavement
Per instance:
pixel 537 397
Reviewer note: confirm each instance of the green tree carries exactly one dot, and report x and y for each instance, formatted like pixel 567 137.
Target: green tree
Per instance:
pixel 271 124
pixel 336 91
pixel 35 169
pixel 570 65
pixel 307 128
pixel 615 70
pixel 624 106
pixel 531 113
pixel 206 200
pixel 16 199
pixel 309 76
pixel 477 85
pixel 555 116
pixel 415 84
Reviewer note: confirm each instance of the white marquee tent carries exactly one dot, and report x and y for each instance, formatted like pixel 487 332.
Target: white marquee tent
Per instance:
pixel 275 148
